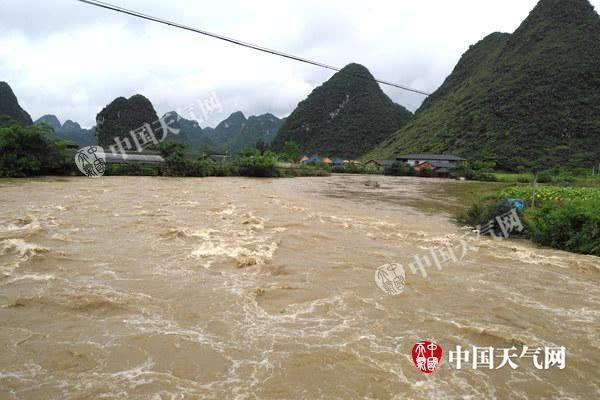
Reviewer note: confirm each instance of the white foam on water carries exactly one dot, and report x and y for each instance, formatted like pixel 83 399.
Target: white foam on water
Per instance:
pixel 24 249
pixel 23 228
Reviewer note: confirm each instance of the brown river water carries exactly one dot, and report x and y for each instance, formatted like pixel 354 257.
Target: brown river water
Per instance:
pixel 233 288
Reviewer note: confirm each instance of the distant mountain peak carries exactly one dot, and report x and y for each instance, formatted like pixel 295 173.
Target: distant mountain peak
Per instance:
pixel 236 132
pixel 562 9
pixel 237 116
pixel 51 120
pixel 549 14
pixel 357 70
pixel 71 126
pixel 346 116
pixel 125 115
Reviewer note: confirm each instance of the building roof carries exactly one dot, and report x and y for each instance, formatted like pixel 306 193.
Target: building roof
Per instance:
pixel 137 157
pixel 424 164
pixel 430 157
pixel 441 164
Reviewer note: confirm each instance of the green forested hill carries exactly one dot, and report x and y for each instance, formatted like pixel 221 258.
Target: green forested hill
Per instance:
pixel 527 99
pixel 189 133
pixel 345 117
pixel 9 105
pixel 122 116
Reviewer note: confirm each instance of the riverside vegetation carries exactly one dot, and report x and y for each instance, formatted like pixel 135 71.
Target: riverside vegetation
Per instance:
pixel 563 217
pixel 30 151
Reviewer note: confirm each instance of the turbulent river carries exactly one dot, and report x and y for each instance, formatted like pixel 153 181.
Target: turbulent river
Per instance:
pixel 232 288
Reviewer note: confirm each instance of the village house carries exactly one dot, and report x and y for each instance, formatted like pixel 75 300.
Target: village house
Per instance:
pixel 441 160
pixel 148 158
pixel 439 164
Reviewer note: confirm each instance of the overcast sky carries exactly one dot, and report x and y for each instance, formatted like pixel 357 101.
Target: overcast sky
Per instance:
pixel 66 58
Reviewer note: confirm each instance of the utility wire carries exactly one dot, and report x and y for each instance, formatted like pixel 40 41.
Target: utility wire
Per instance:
pixel 137 14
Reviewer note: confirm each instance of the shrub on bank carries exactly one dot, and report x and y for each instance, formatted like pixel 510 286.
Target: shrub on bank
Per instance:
pixel 473 175
pixel 485 211
pixel 353 168
pixel 133 169
pixel 573 227
pixel 258 164
pixel 28 151
pixel 302 171
pixel 399 169
pixel 565 218
pixel 554 195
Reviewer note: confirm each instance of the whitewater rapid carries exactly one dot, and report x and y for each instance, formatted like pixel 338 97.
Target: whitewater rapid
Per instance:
pixel 233 288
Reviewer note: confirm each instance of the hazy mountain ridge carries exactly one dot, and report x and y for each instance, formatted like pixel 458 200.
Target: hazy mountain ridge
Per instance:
pixel 70 130
pixel 238 132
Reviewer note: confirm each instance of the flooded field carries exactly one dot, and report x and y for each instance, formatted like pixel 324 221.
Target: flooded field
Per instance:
pixel 232 288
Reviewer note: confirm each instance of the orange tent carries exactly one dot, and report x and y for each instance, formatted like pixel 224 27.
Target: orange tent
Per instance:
pixel 327 160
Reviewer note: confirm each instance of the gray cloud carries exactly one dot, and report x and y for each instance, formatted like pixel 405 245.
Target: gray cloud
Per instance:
pixel 68 59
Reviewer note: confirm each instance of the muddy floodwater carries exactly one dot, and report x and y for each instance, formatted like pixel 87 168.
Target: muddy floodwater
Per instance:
pixel 232 288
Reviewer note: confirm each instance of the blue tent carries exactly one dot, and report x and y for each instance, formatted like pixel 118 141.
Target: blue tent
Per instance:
pixel 314 159
pixel 338 161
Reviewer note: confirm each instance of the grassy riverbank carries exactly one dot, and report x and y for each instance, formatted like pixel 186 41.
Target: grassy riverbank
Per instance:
pixel 562 217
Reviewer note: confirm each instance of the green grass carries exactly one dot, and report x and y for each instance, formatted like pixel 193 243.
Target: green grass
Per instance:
pixel 553 194
pixel 513 178
pixel 564 217
pixel 571 180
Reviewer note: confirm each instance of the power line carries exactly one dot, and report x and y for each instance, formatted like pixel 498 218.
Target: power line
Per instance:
pixel 137 14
